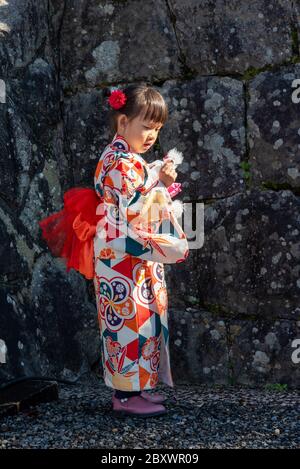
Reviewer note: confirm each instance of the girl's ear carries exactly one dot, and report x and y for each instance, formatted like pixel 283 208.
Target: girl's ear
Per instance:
pixel 122 120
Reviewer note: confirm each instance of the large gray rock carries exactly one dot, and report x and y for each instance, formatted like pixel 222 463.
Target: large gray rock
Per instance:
pixel 249 264
pixel 233 35
pixel 87 132
pixel 274 127
pixel 23 32
pixel 210 348
pixel 35 172
pixel 198 347
pixel 47 333
pixel 207 124
pixel 110 42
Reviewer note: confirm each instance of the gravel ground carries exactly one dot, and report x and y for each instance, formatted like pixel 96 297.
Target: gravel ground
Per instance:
pixel 198 417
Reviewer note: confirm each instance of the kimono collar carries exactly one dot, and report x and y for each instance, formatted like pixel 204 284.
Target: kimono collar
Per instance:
pixel 119 142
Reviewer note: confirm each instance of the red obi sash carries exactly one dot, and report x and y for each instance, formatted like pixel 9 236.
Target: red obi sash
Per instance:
pixel 70 232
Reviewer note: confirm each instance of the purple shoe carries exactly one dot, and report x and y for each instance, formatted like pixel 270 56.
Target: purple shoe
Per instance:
pixel 155 398
pixel 136 405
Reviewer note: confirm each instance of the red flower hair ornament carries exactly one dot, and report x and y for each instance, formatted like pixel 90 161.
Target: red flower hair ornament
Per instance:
pixel 117 99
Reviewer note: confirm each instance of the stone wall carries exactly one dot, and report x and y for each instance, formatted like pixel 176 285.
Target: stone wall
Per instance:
pixel 230 73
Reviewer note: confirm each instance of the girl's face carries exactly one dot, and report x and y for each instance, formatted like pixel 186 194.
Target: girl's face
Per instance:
pixel 139 133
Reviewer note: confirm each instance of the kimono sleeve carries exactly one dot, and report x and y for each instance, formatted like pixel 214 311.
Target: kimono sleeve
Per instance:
pixel 144 224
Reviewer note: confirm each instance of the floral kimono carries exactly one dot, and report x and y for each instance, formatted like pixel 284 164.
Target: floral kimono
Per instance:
pixel 130 250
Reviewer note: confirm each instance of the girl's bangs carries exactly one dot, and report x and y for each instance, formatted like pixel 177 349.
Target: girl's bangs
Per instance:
pixel 156 112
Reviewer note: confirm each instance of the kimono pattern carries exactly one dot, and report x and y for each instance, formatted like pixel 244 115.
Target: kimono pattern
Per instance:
pixel 131 245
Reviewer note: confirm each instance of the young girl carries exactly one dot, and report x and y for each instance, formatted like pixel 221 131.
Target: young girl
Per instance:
pixel 129 262
pixel 134 233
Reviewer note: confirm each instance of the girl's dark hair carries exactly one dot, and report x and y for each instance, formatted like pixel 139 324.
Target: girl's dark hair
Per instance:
pixel 143 100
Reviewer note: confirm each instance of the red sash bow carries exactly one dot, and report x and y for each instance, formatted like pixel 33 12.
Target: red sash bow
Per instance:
pixel 70 232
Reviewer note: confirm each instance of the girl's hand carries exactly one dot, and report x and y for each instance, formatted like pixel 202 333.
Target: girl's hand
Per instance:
pixel 167 173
